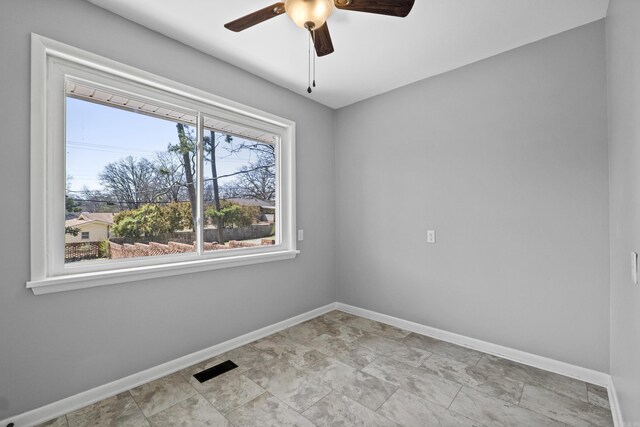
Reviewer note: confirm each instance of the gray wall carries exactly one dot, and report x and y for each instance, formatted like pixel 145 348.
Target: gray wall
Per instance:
pixel 623 58
pixel 57 345
pixel 507 160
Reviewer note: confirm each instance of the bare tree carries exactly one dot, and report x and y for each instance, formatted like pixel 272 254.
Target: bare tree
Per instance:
pixel 257 179
pixel 171 175
pixel 95 200
pixel 186 148
pixel 131 181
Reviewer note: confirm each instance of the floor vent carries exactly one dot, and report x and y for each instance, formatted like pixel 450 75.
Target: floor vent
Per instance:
pixel 215 371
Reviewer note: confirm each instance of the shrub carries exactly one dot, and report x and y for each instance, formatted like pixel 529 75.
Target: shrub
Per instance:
pixel 103 249
pixel 152 220
pixel 233 214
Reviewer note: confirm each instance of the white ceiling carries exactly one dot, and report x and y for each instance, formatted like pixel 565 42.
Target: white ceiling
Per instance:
pixel 373 53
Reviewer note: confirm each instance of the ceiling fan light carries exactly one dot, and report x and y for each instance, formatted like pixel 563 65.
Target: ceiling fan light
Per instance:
pixel 309 13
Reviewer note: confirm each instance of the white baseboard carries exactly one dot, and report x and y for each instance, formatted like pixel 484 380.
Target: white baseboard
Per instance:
pixel 562 368
pixel 80 400
pixel 615 405
pixel 567 369
pixel 59 408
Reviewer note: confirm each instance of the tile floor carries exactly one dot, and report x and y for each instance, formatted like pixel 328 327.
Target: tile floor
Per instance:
pixel 343 370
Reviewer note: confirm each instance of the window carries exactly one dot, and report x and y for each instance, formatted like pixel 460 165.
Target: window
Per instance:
pixel 167 179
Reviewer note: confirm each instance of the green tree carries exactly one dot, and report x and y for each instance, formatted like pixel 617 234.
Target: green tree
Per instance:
pixel 233 214
pixel 179 215
pixel 147 220
pixel 152 220
pixel 70 205
pixel 73 231
pixel 211 143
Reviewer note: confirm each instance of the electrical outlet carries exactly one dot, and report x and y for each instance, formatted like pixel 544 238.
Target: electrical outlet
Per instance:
pixel 300 235
pixel 431 236
pixel 634 267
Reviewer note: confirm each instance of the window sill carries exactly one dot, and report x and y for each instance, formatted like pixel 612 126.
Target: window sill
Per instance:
pixel 89 280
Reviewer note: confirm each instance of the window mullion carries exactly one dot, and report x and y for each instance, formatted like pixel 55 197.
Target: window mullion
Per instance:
pixel 200 182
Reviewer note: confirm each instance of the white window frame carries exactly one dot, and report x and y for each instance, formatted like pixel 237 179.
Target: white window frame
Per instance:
pixel 52 63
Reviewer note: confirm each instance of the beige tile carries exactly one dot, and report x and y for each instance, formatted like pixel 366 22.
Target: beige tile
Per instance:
pixel 343 370
pixel 357 385
pixel 393 349
pixel 452 351
pixel 228 391
pixel 410 411
pixel 120 410
pixel 188 373
pixel 490 411
pixel 340 330
pixel 561 408
pixel 498 367
pixel 195 411
pixel 377 328
pixel 338 316
pixel 307 331
pixel 296 354
pixel 598 396
pixel 57 422
pixel 347 352
pixel 160 394
pixel 414 380
pixel 500 387
pixel 246 357
pixel 338 410
pixel 267 411
pixel 297 389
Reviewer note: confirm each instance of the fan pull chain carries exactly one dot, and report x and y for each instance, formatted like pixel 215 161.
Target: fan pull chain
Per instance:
pixel 314 60
pixel 309 65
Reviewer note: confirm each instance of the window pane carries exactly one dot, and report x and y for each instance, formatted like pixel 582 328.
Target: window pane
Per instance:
pixel 239 187
pixel 131 178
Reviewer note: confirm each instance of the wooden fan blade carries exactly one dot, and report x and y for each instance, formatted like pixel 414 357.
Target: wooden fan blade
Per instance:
pixel 400 8
pixel 256 17
pixel 322 41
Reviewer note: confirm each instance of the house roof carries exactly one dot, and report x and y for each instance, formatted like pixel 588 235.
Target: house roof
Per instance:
pixel 105 217
pixel 89 217
pixel 75 222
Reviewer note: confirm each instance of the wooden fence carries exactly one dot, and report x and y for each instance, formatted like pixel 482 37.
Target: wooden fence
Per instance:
pixel 81 250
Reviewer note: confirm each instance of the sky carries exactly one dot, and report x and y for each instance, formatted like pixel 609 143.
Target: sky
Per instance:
pixel 97 135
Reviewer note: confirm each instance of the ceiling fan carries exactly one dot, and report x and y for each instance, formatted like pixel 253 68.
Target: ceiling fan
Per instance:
pixel 312 15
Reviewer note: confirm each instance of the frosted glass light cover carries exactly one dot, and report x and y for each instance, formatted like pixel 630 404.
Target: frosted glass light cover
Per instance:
pixel 304 11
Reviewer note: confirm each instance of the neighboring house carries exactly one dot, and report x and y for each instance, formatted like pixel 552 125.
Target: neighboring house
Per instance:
pixel 267 207
pixel 94 227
